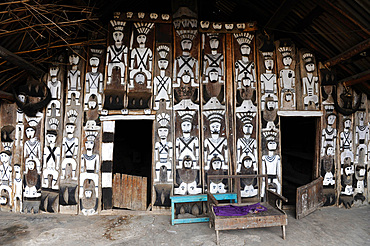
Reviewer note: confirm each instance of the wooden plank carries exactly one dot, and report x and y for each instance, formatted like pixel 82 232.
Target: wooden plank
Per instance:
pixel 114 189
pixel 138 191
pixel 127 199
pixel 144 193
pixel 309 198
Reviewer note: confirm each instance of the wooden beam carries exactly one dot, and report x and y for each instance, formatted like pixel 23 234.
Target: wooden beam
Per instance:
pixel 307 21
pixel 284 9
pixel 21 63
pixel 348 53
pixel 356 79
pixel 7 96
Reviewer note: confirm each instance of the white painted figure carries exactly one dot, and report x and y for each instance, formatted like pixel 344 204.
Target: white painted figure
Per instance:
pixel 287 78
pixel 248 167
pixel 74 79
pixel 51 161
pixel 163 150
pixel 188 178
pixel 244 68
pixel 162 83
pixel 31 179
pixel 214 59
pixel 32 147
pixel 329 134
pixel 94 80
pixel 5 168
pixel 362 138
pixel 268 79
pixel 310 83
pixel 246 145
pixel 70 143
pixel 328 166
pixel 117 53
pixel 19 129
pixel 55 87
pixel 346 141
pixel 17 188
pixel 141 57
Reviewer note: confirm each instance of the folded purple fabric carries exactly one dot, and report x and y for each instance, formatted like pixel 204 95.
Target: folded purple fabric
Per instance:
pixel 231 210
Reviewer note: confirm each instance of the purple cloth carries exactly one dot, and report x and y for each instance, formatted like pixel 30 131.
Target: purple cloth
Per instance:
pixel 231 210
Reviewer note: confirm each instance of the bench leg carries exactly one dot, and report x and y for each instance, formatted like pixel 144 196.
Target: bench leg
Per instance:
pixel 217 238
pixel 283 228
pixel 172 213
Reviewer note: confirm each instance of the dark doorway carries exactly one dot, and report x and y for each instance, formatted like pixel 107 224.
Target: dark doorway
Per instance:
pixel 132 152
pixel 298 142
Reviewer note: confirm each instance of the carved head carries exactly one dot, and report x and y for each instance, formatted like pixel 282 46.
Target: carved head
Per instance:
pixel 269 63
pixel 213 75
pixel 186 126
pixel 5 156
pixel 118 36
pixel 215 127
pixel 74 59
pixel 94 61
pixel 247 162
pixel 30 165
pixel 70 128
pixel 30 132
pixel 17 171
pixel 188 162
pixel 287 60
pixel 271 145
pixel 163 132
pixel 162 64
pixel 186 44
pixel 248 129
pixel 331 119
pixel 89 145
pixel 245 49
pixel 214 43
pixel 216 163
pixel 51 136
pixel 141 39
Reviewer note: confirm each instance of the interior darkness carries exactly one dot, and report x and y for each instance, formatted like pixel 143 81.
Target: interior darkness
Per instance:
pixel 132 152
pixel 298 136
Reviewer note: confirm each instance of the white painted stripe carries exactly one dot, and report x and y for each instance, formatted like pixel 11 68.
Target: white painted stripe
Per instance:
pixel 127 117
pixel 108 126
pixel 106 180
pixel 301 113
pixel 107 151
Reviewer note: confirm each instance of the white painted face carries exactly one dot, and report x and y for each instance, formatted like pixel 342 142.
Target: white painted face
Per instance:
pixel 213 76
pixel 4 157
pixel 288 97
pixel 270 105
pixel 215 127
pixel 186 44
pixel 54 71
pixel 51 138
pixel 361 117
pixel 188 163
pixel 162 64
pixel 245 49
pixel 310 67
pixel 248 129
pixel 22 97
pixel 186 78
pixel 74 59
pixel 271 145
pixel 216 164
pixel 118 37
pixel 186 127
pixel 94 61
pixel 331 119
pixel 162 132
pixel 88 193
pixel 269 64
pixel 17 170
pixel 247 163
pixel 348 171
pixel 213 43
pixel 347 124
pixel 287 60
pixel 330 151
pixel 91 103
pixel 141 39
pixel 89 145
pixel 30 165
pixel 30 132
pixel 70 129
pixel 140 78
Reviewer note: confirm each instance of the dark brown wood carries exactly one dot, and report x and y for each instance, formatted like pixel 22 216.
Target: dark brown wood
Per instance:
pixel 281 13
pixel 362 79
pixel 364 45
pixel 7 96
pixel 129 191
pixel 309 198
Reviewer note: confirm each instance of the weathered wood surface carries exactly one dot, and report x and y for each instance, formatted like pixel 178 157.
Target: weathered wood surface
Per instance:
pixel 129 191
pixel 309 198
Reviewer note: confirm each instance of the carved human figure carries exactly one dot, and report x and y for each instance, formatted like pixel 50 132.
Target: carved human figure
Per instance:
pixel 346 141
pixel 74 79
pixel 5 168
pixel 51 161
pixel 187 178
pixel 162 83
pixel 310 82
pixel 269 113
pixel 55 87
pixel 213 60
pixel 185 72
pixel 329 134
pixel 163 150
pixel 327 167
pixel 70 143
pixel 216 185
pixel 246 145
pixel 248 185
pixel 187 145
pixel 19 129
pixel 268 78
pixel 17 188
pixel 117 52
pixel 271 163
pixel 31 180
pixel 89 200
pixel 347 180
pixel 32 147
pixel 287 77
pixel 94 80
pixel 362 138
pixel 90 161
pixel 215 146
pixel 141 57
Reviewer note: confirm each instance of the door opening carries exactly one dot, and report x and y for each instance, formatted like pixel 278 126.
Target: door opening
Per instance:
pixel 298 144
pixel 132 157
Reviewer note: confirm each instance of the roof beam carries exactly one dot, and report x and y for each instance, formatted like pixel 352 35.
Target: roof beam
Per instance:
pixel 356 79
pixel 348 53
pixel 284 9
pixel 20 62
pixel 310 17
pixel 7 96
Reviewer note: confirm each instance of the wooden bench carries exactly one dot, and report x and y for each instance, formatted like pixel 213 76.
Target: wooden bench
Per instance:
pixel 274 216
pixel 196 198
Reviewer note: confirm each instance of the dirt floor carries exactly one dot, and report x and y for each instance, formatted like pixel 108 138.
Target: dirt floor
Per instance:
pixel 327 226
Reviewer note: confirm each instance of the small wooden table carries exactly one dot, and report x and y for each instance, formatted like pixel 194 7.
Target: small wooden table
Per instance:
pixel 197 198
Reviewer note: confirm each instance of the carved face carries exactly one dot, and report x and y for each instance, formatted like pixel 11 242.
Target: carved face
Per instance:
pixel 310 67
pixel 348 171
pixel 141 39
pixel 53 71
pixel 331 119
pixel 186 127
pixel 216 164
pixel 213 76
pixel 213 43
pixel 30 165
pixel 162 64
pixel 94 61
pixel 88 193
pixel 140 78
pixel 187 162
pixel 271 145
pixel 361 116
pixel 330 151
pixel 89 145
pixel 248 129
pixel 163 132
pixel 288 97
pixel 247 162
pixel 287 60
pixel 269 64
pixel 118 37
pixel 30 132
pixel 186 78
pixel 70 128
pixel 186 44
pixel 347 124
pixel 215 127
pixel 270 105
pixel 17 171
pixel 245 49
pixel 74 59
pixel 22 98
pixel 51 138
pixel 4 157
pixel 92 103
